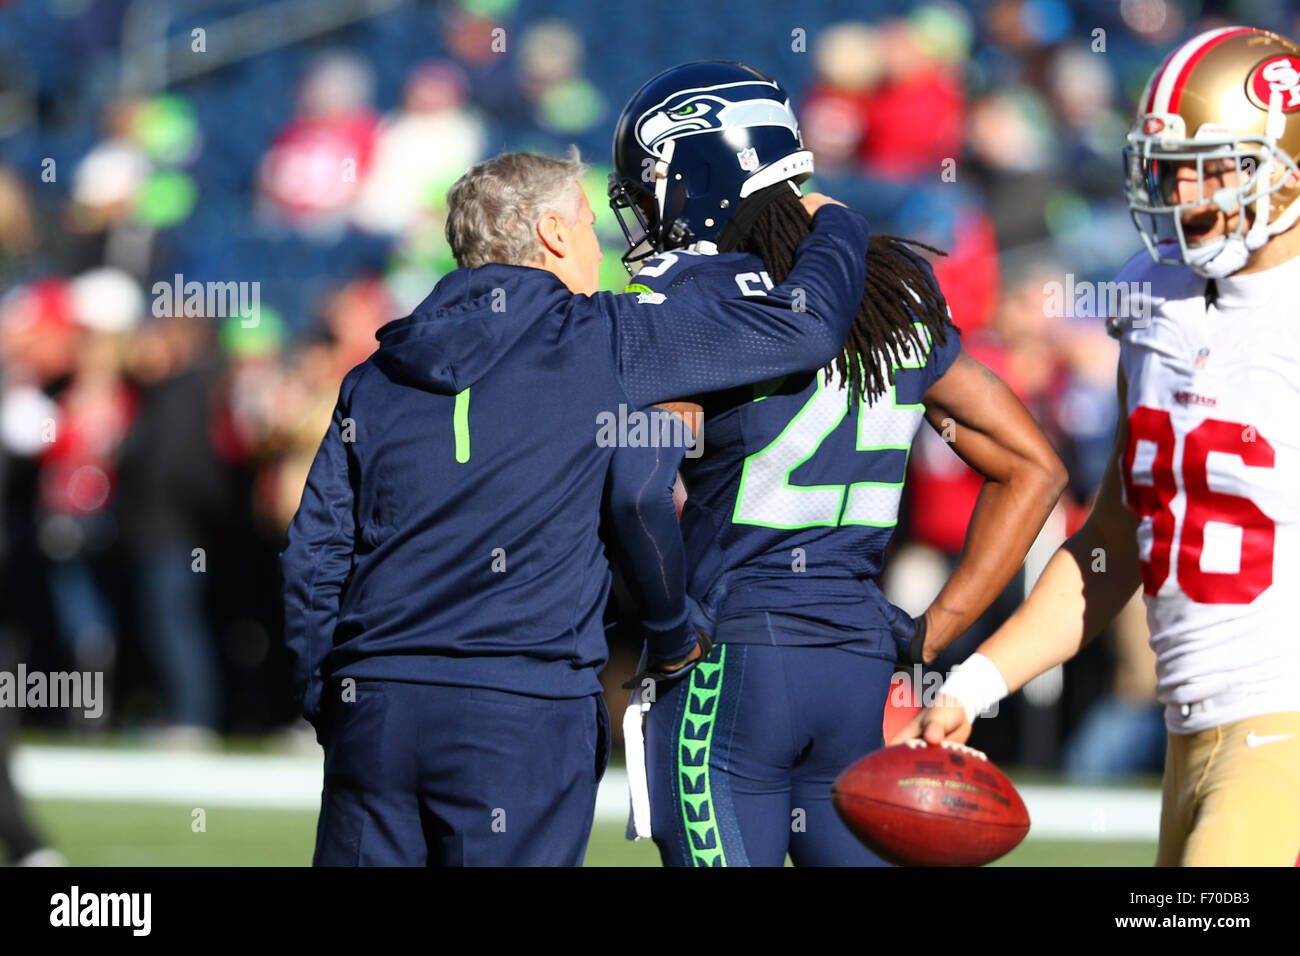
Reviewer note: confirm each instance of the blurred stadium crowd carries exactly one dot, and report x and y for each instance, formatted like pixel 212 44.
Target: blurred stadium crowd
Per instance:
pixel 150 462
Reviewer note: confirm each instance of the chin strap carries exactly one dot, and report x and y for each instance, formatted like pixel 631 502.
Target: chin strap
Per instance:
pixel 1258 233
pixel 748 212
pixel 1274 128
pixel 1219 261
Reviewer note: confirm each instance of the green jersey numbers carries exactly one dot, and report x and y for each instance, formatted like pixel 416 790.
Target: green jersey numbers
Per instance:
pixel 769 498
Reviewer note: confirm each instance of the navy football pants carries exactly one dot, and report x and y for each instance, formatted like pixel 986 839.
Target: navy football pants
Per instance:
pixel 742 753
pixel 426 774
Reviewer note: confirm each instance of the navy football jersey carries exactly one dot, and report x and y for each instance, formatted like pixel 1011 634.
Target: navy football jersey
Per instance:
pixel 798 488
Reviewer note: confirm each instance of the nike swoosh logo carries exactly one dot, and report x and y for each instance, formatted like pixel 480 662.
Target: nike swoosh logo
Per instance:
pixel 1253 740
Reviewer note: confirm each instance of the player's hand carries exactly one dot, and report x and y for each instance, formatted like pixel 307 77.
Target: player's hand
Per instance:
pixel 814 201
pixel 945 721
pixel 909 635
pixel 671 671
pixel 694 655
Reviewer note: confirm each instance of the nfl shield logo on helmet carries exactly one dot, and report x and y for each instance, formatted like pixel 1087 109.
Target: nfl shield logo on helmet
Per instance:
pixel 748 159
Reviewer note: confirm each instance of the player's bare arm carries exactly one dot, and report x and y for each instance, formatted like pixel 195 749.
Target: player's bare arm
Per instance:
pixel 1069 605
pixel 994 433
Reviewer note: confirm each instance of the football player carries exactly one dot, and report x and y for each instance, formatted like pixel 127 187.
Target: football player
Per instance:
pixel 795 494
pixel 1198 506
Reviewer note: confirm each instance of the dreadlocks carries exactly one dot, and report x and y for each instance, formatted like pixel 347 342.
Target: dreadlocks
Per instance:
pixel 900 294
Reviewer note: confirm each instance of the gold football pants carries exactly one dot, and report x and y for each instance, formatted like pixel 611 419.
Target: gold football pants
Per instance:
pixel 1232 795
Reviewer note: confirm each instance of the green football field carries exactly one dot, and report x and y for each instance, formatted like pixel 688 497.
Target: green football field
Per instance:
pixel 126 834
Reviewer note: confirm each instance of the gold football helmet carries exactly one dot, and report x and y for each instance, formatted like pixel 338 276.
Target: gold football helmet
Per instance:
pixel 1231 93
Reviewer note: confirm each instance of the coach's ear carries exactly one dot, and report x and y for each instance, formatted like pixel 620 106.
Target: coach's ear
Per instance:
pixel 553 233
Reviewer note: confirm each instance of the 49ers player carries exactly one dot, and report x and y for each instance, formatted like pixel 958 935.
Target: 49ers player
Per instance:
pixel 1201 501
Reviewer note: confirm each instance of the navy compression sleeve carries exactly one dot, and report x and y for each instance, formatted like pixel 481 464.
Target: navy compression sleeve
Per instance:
pixel 639 494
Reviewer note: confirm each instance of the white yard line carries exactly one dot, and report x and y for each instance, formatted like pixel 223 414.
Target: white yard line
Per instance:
pixel 290 781
pixel 293 782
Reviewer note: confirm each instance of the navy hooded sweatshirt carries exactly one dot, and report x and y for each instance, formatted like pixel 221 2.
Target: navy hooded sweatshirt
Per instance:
pixel 448 532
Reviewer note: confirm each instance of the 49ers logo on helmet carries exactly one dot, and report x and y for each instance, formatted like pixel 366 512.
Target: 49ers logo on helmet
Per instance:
pixel 1153 125
pixel 1277 73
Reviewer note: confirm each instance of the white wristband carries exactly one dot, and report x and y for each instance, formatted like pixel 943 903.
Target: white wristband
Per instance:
pixel 977 684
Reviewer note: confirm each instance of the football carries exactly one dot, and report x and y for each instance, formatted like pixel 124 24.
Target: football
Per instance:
pixel 919 804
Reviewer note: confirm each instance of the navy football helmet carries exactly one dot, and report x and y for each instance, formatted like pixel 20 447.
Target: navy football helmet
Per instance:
pixel 691 144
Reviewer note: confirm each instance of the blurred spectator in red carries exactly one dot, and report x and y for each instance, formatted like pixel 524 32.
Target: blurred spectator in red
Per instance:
pixel 890 98
pixel 915 117
pixel 246 410
pixel 969 274
pixel 833 119
pixel 888 101
pixel 314 169
pixel 78 476
pixel 38 337
pixel 38 350
pixel 420 150
pixel 352 316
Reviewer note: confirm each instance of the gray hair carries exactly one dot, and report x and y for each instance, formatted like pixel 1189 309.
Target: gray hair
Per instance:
pixel 492 210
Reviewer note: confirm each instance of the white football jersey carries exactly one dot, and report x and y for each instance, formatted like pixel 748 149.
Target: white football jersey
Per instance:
pixel 1212 469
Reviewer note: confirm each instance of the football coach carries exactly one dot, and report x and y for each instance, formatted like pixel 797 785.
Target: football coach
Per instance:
pixel 444 581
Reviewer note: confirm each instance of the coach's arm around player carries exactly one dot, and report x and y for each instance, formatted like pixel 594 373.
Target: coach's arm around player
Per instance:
pixel 667 346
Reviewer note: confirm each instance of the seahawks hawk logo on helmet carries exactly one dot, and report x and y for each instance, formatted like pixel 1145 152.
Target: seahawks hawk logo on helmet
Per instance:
pixel 703 110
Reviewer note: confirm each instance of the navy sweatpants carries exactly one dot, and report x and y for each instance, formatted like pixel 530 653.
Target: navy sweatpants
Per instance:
pixel 741 755
pixel 431 775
